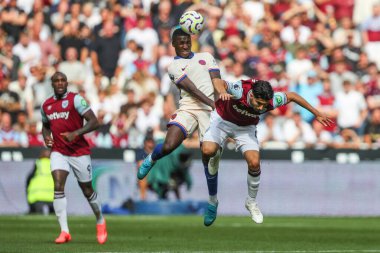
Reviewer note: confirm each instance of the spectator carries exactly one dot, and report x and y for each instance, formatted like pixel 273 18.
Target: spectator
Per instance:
pixel 13 19
pixel 149 144
pixel 372 130
pixel 74 69
pixel 9 100
pixel 371 34
pixel 10 62
pixel 8 136
pixel 299 133
pixel 351 108
pixel 106 50
pixel 28 51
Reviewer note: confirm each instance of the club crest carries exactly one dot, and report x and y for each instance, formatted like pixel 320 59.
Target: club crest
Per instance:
pixel 65 103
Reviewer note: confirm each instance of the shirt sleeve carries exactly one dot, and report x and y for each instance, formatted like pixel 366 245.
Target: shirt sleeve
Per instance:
pixel 43 115
pixel 279 99
pixel 81 104
pixel 212 64
pixel 235 89
pixel 176 74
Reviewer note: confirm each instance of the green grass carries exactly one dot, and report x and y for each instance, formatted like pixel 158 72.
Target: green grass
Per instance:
pixel 36 234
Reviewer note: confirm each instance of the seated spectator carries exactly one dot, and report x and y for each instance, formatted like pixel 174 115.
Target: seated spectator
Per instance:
pixel 35 138
pixel 372 130
pixel 351 108
pixel 8 136
pixel 270 133
pixel 324 137
pixel 347 139
pixel 299 133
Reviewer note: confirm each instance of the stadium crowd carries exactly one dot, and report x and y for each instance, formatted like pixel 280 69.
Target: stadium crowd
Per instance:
pixel 115 54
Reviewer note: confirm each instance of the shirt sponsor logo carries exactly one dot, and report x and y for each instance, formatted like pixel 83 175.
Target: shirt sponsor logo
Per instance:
pixel 58 115
pixel 244 112
pixel 65 103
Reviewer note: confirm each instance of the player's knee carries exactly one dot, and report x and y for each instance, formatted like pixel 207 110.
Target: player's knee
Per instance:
pixel 208 150
pixel 254 165
pixel 88 192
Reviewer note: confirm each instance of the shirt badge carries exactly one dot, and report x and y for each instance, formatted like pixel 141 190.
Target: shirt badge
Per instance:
pixel 65 103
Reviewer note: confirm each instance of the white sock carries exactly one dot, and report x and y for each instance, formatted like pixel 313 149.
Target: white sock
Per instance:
pixel 253 186
pixel 96 207
pixel 60 204
pixel 213 199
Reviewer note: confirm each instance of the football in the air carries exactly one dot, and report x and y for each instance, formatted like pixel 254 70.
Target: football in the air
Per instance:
pixel 191 22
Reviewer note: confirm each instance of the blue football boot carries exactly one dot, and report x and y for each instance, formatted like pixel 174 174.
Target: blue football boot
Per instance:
pixel 145 167
pixel 210 215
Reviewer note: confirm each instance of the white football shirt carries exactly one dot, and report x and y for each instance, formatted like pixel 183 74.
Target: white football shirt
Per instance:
pixel 197 68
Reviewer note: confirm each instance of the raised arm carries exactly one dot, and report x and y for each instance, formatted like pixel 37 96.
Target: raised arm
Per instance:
pixel 294 97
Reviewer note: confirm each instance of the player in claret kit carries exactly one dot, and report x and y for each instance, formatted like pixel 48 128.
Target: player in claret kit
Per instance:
pixel 237 118
pixel 197 76
pixel 63 129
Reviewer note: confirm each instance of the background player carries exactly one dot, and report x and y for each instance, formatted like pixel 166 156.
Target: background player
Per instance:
pixel 237 118
pixel 63 130
pixel 196 75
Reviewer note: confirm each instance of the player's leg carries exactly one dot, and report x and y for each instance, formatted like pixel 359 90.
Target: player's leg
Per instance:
pixel 247 142
pixel 82 169
pixel 253 181
pixel 60 171
pixel 181 123
pixel 213 138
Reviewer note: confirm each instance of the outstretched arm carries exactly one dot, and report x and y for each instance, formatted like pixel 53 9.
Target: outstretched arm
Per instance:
pixel 294 97
pixel 187 85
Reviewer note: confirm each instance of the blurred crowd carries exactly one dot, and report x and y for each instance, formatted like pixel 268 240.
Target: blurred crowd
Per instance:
pixel 116 53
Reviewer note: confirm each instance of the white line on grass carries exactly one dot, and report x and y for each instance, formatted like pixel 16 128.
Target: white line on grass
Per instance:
pixel 257 251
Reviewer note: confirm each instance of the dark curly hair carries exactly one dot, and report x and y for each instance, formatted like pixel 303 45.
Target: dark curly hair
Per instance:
pixel 262 89
pixel 177 31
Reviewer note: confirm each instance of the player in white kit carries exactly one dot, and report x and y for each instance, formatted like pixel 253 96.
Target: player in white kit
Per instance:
pixel 197 76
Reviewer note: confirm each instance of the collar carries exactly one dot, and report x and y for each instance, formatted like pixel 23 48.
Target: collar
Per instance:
pixel 64 96
pixel 191 55
pixel 248 97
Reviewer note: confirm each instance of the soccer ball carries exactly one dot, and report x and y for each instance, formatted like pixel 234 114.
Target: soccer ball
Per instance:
pixel 191 22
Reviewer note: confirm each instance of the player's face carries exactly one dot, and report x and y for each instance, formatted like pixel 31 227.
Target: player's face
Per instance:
pixel 59 85
pixel 259 105
pixel 182 45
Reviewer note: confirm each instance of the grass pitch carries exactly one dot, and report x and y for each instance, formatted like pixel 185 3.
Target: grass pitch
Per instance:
pixel 35 234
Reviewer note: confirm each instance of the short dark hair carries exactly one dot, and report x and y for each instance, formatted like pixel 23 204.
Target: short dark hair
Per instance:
pixel 262 89
pixel 177 31
pixel 56 74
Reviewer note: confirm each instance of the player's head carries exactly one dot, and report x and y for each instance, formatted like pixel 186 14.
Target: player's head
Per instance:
pixel 59 83
pixel 262 94
pixel 181 42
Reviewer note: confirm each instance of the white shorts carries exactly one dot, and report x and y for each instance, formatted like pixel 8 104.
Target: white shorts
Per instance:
pixel 189 121
pixel 80 165
pixel 220 130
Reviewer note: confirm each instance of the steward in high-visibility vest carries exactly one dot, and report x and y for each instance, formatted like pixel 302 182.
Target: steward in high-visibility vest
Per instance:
pixel 41 184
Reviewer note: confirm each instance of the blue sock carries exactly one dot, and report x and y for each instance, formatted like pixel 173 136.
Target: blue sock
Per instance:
pixel 157 152
pixel 212 182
